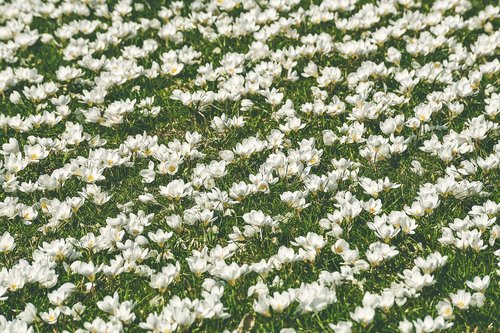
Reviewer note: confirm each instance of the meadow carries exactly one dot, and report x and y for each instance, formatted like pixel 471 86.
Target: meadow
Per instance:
pixel 249 166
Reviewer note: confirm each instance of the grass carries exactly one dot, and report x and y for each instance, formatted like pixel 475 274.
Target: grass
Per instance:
pixel 125 184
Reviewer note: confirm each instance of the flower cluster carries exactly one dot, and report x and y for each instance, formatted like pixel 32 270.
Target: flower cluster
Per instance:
pixel 239 165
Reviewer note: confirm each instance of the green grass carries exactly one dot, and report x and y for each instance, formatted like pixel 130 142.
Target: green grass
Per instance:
pixel 124 184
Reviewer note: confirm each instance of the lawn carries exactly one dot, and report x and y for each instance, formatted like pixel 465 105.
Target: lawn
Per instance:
pixel 249 166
